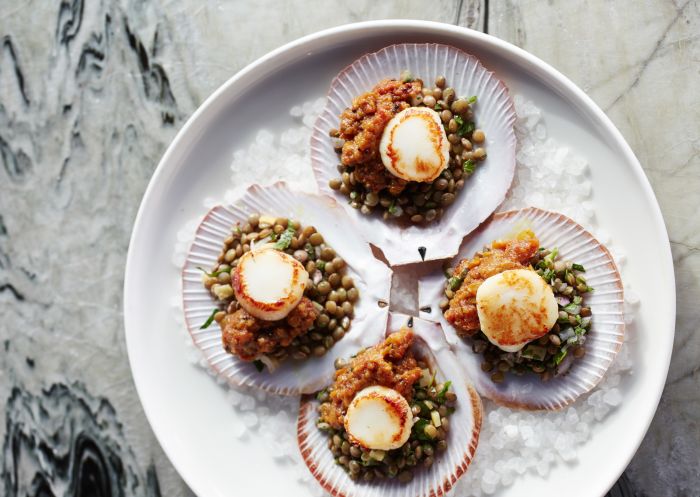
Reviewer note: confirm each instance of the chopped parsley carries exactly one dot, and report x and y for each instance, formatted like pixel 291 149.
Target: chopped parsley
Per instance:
pixel 465 127
pixel 285 238
pixel 454 283
pixel 549 275
pixel 549 258
pixel 578 267
pixel 469 166
pixel 536 352
pixel 472 99
pixel 310 251
pixel 572 308
pixel 419 429
pixel 560 355
pixel 441 394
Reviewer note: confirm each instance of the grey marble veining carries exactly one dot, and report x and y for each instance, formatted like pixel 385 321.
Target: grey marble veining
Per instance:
pixel 91 93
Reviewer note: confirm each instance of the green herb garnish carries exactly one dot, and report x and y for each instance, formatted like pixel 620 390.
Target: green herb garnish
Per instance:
pixel 321 265
pixel 469 166
pixel 534 352
pixel 392 208
pixel 441 394
pixel 211 275
pixel 472 99
pixel 468 128
pixel 424 410
pixel 460 122
pixel 419 429
pixel 454 283
pixel 259 365
pixel 438 107
pixel 549 258
pixel 560 355
pixel 406 76
pixel 209 320
pixel 563 320
pixel 572 308
pixel 578 267
pixel 286 237
pixel 310 251
pixel 465 127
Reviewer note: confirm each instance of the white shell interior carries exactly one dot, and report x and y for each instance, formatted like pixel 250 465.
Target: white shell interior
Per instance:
pixel 483 191
pixel 372 279
pixel 463 436
pixel 605 336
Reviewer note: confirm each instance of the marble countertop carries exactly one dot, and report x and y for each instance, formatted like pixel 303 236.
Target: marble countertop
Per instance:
pixel 91 93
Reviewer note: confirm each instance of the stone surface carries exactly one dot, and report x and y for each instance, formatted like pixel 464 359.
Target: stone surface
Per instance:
pixel 91 93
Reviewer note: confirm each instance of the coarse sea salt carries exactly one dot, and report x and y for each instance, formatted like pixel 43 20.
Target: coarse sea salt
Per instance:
pixel 512 443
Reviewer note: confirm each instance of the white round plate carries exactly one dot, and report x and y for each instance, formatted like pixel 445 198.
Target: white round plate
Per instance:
pixel 188 410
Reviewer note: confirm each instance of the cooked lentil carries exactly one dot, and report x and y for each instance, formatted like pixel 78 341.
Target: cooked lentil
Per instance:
pixel 364 180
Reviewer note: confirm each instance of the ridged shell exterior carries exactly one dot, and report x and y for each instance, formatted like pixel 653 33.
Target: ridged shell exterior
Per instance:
pixel 372 279
pixel 463 436
pixel 483 191
pixel 606 302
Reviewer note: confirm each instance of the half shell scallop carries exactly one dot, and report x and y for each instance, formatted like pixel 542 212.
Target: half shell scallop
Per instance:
pixel 604 338
pixel 483 191
pixel 372 279
pixel 463 436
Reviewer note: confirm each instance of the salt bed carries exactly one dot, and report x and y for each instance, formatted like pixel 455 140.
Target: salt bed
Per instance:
pixel 512 443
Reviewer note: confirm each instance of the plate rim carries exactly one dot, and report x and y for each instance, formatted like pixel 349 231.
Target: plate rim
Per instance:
pixel 535 66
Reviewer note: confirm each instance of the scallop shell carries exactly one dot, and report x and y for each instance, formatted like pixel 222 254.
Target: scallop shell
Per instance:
pixel 463 436
pixel 372 279
pixel 607 330
pixel 484 190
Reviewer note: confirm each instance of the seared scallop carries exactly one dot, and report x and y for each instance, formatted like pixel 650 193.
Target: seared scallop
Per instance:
pixel 515 307
pixel 379 418
pixel 269 283
pixel 414 145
